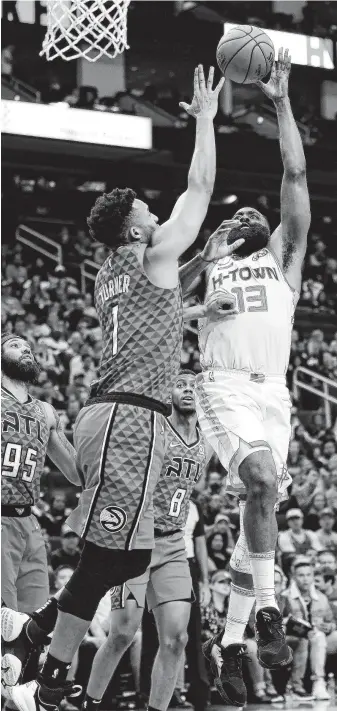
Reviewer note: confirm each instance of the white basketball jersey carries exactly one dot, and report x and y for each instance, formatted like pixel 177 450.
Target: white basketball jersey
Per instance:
pixel 258 338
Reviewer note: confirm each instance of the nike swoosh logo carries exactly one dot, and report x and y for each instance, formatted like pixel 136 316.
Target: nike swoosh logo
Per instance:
pixel 174 444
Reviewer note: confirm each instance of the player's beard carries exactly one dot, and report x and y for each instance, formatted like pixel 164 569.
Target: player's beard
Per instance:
pixel 23 371
pixel 256 237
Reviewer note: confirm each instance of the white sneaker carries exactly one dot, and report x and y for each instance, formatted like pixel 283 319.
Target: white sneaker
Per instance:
pixel 11 623
pixel 319 690
pixel 23 696
pixel 10 670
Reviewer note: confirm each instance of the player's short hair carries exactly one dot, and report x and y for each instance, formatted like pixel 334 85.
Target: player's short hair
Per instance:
pixel 109 217
pixel 185 371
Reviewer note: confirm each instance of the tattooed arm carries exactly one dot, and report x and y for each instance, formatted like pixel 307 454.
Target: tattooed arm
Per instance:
pixel 60 451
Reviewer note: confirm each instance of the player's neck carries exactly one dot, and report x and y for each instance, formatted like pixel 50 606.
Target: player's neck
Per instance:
pixel 186 426
pixel 17 388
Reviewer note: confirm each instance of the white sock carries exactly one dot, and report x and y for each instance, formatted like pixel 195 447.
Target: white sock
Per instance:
pixel 263 571
pixel 240 606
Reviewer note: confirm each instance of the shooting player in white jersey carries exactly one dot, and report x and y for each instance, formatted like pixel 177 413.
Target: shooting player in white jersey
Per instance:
pixel 243 404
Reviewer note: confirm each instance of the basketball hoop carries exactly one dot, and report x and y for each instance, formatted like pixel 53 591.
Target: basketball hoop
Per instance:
pixel 85 28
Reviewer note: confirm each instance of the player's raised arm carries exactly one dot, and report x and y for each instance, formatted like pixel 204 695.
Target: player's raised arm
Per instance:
pixel 289 240
pixel 59 449
pixel 180 231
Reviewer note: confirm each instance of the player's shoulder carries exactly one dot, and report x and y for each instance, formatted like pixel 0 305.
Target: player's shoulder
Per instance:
pixel 49 412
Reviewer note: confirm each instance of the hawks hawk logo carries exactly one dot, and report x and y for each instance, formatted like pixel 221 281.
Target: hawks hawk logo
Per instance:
pixel 113 519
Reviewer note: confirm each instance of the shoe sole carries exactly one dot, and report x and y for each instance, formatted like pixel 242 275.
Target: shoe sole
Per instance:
pixel 10 669
pixel 273 667
pixel 23 698
pixel 206 649
pixel 11 623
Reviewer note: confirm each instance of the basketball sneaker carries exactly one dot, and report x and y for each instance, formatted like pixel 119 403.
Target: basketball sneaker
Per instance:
pixel 272 649
pixel 34 696
pixel 19 644
pixel 226 667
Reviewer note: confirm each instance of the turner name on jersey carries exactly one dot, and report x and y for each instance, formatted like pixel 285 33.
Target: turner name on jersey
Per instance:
pixel 182 468
pixel 258 338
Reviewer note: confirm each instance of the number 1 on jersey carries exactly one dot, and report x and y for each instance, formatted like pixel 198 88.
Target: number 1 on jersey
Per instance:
pixel 115 330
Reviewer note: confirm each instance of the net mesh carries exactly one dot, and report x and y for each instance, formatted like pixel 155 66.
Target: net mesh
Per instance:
pixel 85 28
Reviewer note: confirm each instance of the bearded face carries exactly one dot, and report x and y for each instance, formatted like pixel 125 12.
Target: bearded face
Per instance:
pixel 18 362
pixel 253 228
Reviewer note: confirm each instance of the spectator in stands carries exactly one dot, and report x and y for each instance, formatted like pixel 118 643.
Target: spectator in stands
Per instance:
pixel 304 602
pixel 50 393
pixel 327 559
pixel 218 556
pixel 331 494
pixel 68 418
pixel 62 575
pixel 325 581
pixel 326 536
pixel 53 519
pixel 297 539
pixel 312 519
pixel 69 553
pixel 7 60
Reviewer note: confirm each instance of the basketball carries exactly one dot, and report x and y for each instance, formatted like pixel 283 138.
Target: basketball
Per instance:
pixel 245 54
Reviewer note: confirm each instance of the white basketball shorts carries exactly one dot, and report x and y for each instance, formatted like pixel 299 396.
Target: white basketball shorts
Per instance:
pixel 236 408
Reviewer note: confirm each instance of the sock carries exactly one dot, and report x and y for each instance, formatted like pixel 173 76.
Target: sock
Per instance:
pixel 263 571
pixel 241 602
pixel 45 617
pixel 54 672
pixel 90 704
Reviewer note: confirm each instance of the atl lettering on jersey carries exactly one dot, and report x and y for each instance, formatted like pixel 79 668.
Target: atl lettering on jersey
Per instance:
pixel 141 329
pixel 182 468
pixel 25 436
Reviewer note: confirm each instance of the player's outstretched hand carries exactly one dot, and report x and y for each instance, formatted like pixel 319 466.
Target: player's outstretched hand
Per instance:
pixel 277 87
pixel 205 98
pixel 217 247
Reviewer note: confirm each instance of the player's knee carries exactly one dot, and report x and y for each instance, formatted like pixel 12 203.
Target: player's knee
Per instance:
pixel 120 639
pixel 258 473
pixel 174 642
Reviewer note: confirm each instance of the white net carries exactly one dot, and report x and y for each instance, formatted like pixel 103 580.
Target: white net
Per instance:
pixel 85 28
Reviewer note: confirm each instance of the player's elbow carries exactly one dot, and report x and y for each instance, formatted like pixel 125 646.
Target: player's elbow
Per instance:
pixel 295 173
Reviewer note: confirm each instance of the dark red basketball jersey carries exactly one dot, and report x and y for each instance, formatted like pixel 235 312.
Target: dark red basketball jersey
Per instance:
pixel 142 328
pixel 24 441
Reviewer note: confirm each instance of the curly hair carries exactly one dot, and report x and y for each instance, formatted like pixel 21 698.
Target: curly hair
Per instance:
pixel 108 219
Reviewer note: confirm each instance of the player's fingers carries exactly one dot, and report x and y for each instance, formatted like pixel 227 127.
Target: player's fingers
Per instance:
pixel 232 247
pixel 280 55
pixel 201 77
pixel 210 79
pixel 219 86
pixel 184 106
pixel 196 82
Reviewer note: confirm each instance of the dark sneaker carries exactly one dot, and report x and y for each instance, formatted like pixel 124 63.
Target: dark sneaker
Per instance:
pixel 18 646
pixel 272 649
pixel 226 667
pixel 179 701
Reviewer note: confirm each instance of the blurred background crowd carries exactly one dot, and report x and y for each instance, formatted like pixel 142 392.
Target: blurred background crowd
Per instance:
pixel 49 265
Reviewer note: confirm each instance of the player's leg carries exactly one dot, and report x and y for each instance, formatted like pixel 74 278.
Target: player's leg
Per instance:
pixel 172 621
pixel 32 591
pixel 224 651
pixel 123 453
pixel 231 414
pixel 169 595
pixel 123 627
pixel 13 544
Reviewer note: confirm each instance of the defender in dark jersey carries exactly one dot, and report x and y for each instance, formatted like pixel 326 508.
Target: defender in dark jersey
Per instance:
pixel 120 434
pixel 30 430
pixel 167 583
